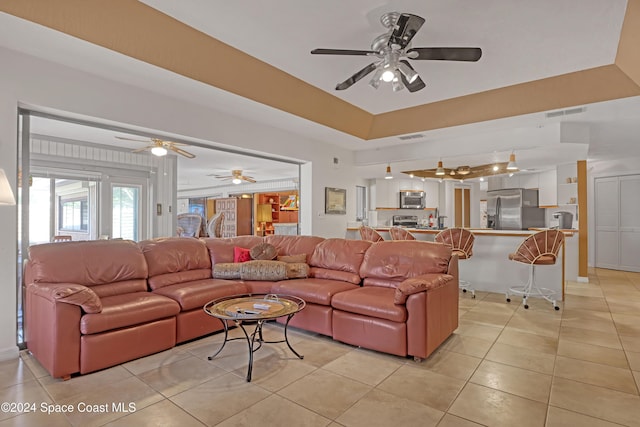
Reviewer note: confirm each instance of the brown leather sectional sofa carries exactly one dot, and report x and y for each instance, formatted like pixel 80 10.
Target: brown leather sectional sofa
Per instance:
pixel 92 305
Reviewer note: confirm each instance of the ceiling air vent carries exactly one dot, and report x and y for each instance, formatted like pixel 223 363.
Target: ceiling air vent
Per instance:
pixel 414 136
pixel 566 112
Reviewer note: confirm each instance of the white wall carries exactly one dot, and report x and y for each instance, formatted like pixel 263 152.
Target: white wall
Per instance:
pixel 30 82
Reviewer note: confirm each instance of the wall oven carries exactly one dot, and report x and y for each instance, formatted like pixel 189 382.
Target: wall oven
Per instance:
pixel 412 199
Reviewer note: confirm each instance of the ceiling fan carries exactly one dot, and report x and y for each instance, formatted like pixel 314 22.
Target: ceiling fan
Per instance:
pixel 462 172
pixel 392 47
pixel 159 147
pixel 236 177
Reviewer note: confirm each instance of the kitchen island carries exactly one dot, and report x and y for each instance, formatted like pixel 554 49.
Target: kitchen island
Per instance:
pixel 490 270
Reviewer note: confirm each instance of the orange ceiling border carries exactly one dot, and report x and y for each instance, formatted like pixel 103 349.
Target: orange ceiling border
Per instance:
pixel 141 32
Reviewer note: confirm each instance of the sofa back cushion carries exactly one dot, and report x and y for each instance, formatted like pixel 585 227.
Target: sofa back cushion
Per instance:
pixel 294 245
pixel 111 266
pixel 398 260
pixel 221 250
pixel 338 259
pixel 174 260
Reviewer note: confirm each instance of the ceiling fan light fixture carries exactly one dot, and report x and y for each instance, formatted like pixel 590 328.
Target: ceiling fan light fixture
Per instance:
pixel 388 175
pixel 388 75
pixel 236 180
pixel 396 85
pixel 440 169
pixel 407 72
pixel 512 165
pixel 159 151
pixel 463 170
pixel 377 77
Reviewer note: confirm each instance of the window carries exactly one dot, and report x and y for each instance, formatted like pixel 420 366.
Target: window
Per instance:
pixel 74 214
pixel 361 202
pixel 126 207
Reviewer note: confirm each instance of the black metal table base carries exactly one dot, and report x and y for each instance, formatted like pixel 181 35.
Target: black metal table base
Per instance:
pixel 253 343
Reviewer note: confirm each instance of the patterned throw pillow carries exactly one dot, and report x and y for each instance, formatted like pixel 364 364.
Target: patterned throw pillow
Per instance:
pixel 293 258
pixel 263 270
pixel 264 251
pixel 227 270
pixel 297 270
pixel 241 254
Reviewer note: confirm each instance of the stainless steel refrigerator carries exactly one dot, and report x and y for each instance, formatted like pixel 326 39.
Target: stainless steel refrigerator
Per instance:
pixel 514 209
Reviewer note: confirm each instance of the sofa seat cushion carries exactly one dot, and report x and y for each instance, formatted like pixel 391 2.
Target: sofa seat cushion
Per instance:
pixel 119 311
pixel 196 294
pixel 373 301
pixel 315 291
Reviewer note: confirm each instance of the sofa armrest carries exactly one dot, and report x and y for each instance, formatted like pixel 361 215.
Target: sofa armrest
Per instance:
pixel 424 282
pixel 68 293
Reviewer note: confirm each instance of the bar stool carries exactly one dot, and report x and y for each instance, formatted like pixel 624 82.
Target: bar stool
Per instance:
pixel 538 249
pixel 368 233
pixel 399 233
pixel 461 241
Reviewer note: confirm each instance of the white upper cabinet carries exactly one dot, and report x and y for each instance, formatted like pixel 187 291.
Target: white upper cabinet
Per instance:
pixel 548 188
pixel 387 194
pixel 431 193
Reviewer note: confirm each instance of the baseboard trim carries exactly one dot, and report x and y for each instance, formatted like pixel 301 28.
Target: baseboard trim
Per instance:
pixel 583 279
pixel 9 353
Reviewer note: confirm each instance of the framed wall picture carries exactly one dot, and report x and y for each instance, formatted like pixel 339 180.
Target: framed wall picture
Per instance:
pixel 335 201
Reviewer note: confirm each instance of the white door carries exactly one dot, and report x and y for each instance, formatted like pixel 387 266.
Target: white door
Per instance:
pixel 630 223
pixel 617 204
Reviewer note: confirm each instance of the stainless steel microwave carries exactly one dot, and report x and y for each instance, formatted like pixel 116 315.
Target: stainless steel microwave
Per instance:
pixel 412 199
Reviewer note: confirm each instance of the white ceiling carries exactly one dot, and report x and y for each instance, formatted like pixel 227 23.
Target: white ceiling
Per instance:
pixel 521 41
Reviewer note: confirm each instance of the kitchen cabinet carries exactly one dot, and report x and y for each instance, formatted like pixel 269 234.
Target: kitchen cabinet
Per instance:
pixel 548 188
pixel 387 194
pixel 431 193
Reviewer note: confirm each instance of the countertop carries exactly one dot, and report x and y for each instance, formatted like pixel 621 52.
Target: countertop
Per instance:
pixel 475 231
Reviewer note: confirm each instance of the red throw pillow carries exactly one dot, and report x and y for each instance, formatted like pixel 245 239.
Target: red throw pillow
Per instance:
pixel 241 254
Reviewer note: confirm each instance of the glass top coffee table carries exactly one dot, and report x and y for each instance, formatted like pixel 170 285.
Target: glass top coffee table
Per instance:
pixel 254 309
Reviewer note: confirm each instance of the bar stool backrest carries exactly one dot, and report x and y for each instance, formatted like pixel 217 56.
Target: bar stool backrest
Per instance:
pixel 460 239
pixel 539 248
pixel 368 233
pixel 399 233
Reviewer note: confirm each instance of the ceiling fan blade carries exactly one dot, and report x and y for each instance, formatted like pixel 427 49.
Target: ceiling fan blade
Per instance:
pixel 248 178
pixel 181 151
pixel 342 52
pixel 357 76
pixel 132 139
pixel 140 150
pixel 416 85
pixel 445 53
pixel 406 27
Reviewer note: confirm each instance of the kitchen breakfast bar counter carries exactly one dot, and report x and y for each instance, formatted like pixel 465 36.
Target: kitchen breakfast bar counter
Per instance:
pixel 490 270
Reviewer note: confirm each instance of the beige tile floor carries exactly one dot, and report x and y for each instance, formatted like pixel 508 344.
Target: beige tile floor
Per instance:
pixel 504 366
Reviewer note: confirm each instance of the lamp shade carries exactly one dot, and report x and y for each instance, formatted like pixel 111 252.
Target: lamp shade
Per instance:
pixel 512 166
pixel 440 169
pixel 388 175
pixel 159 151
pixel 264 213
pixel 6 194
